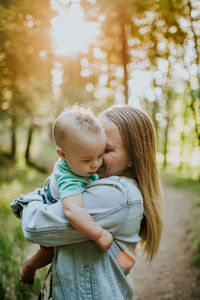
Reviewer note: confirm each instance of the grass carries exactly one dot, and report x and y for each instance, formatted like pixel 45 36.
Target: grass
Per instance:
pixel 192 186
pixel 188 184
pixel 15 179
pixel 11 257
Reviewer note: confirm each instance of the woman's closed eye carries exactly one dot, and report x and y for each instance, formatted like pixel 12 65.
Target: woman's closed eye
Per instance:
pixel 107 150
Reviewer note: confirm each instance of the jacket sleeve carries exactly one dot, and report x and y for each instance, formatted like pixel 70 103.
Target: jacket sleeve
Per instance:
pixel 106 201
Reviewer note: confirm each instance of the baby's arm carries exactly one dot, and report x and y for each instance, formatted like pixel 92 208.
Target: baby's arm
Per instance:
pixel 83 222
pixel 39 259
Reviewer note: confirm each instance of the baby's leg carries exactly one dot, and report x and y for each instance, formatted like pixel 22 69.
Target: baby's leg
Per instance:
pixel 38 260
pixel 28 271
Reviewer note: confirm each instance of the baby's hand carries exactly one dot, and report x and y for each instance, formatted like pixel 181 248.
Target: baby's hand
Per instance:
pixel 105 240
pixel 28 272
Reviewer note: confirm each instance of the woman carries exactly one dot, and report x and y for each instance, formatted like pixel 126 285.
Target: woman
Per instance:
pixel 126 201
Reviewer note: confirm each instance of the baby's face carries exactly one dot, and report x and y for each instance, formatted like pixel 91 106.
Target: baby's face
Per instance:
pixel 84 156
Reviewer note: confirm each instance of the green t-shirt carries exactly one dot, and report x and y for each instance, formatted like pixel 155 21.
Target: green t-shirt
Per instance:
pixel 68 182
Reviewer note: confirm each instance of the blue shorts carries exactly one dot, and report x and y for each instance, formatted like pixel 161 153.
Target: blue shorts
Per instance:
pixel 48 197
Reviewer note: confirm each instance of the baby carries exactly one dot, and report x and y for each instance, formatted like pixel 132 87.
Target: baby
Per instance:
pixel 80 143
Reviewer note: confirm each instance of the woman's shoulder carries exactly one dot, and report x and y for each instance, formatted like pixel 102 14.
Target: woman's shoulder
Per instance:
pixel 125 184
pixel 131 186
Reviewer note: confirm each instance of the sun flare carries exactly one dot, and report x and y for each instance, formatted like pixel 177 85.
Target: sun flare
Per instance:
pixel 71 34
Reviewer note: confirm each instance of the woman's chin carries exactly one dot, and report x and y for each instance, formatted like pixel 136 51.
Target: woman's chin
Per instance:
pixel 102 172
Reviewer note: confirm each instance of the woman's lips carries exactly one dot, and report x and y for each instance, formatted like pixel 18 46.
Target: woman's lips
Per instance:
pixel 101 171
pixel 101 168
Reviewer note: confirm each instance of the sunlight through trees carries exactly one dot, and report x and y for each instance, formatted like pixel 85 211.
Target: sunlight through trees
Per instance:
pixel 144 53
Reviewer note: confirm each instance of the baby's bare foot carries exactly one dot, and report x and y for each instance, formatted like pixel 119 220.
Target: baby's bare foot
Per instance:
pixel 28 272
pixel 105 240
pixel 126 259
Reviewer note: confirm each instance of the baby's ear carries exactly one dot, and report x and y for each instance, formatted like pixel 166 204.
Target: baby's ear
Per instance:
pixel 61 153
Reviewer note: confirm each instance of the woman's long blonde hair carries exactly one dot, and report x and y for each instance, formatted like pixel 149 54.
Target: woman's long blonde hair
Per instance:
pixel 138 134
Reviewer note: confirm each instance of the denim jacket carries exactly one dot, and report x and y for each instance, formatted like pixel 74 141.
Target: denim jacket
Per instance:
pixel 81 271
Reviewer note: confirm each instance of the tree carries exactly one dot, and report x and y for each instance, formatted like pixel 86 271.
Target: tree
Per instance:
pixel 195 97
pixel 24 41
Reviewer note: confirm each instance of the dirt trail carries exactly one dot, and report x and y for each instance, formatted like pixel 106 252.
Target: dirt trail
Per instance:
pixel 170 275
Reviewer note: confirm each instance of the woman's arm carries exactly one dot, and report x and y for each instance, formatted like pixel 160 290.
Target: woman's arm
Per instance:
pixel 106 200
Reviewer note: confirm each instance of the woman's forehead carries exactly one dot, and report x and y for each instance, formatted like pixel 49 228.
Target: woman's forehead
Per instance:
pixel 113 135
pixel 108 125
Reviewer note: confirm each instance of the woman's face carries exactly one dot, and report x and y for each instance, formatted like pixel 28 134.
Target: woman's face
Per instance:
pixel 115 158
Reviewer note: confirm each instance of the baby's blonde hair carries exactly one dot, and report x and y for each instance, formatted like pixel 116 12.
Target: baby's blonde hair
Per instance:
pixel 73 120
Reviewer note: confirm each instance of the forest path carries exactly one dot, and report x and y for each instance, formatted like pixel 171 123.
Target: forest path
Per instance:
pixel 170 276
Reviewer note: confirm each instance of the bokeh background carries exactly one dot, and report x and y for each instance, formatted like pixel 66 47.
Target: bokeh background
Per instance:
pixel 55 53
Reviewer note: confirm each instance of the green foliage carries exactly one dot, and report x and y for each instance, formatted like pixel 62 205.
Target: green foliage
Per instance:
pixel 196 258
pixel 189 184
pixel 17 178
pixel 24 74
pixel 13 181
pixel 11 259
pixel 135 35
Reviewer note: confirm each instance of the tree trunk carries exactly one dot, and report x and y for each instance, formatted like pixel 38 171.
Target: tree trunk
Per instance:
pixel 124 55
pixel 194 111
pixel 29 141
pixel 166 144
pixel 182 137
pixel 13 138
pixel 193 105
pixel 194 101
pixel 197 59
pixel 155 122
pixel 168 120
